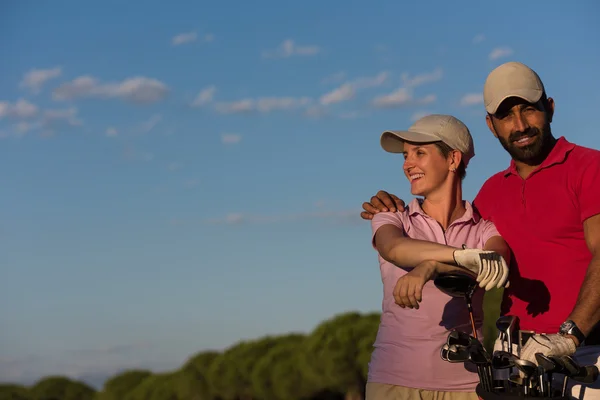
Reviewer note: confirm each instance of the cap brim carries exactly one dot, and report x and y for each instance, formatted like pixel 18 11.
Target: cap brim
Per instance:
pixel 393 141
pixel 529 95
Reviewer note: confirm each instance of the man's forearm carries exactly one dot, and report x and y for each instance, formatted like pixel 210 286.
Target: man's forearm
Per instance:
pixel 586 312
pixel 408 253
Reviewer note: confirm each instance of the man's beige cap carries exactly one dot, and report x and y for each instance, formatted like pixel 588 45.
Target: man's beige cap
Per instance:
pixel 432 128
pixel 512 79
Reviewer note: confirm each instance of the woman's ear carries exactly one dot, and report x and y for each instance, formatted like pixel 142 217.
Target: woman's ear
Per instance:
pixel 455 159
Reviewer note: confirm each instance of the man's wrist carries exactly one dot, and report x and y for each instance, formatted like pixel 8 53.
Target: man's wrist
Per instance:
pixel 570 329
pixel 574 338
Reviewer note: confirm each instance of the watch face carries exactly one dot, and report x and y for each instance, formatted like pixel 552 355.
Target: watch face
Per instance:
pixel 566 326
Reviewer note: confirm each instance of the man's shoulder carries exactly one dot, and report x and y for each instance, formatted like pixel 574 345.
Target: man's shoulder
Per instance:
pixel 585 154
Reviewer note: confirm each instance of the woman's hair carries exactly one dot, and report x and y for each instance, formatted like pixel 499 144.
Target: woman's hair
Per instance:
pixel 445 150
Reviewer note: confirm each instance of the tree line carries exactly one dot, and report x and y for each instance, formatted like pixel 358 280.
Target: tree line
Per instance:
pixel 329 363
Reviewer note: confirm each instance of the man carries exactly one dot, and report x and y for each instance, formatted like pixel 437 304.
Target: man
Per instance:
pixel 546 205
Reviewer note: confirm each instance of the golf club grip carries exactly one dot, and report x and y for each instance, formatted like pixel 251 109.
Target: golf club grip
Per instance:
pixel 587 374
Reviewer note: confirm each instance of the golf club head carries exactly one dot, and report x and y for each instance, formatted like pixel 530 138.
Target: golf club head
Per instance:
pixel 587 374
pixel 576 372
pixel 462 339
pixel 527 367
pixel 444 352
pixel 573 368
pixel 456 284
pixel 457 353
pixel 560 365
pixel 478 355
pixel 505 323
pixel 503 359
pixel 546 363
pixel 516 379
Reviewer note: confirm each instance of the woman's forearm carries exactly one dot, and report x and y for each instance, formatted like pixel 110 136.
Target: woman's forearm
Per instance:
pixel 408 253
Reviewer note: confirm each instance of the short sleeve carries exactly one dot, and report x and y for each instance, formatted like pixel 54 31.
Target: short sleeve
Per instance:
pixel 385 218
pixel 588 191
pixel 488 231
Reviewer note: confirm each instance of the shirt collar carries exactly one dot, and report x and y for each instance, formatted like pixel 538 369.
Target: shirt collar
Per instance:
pixel 556 156
pixel 414 208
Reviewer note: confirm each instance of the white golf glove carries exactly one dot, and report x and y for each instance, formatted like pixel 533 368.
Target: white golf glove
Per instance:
pixel 490 267
pixel 549 345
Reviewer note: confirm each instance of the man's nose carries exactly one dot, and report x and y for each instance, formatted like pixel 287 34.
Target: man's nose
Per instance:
pixel 521 124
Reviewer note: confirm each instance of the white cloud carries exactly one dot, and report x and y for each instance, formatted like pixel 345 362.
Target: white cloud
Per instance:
pixel 150 123
pixel 422 79
pixel 231 138
pixel 339 94
pixel 401 97
pixel 418 115
pixel 398 97
pixel 137 89
pixel 205 96
pixel 69 115
pixel 348 90
pixel 289 48
pixel 184 38
pixel 22 109
pixel 190 37
pixel 36 78
pixel 470 99
pixel 500 52
pixel 316 111
pixel 24 127
pixel 112 131
pixel 478 38
pixel 262 104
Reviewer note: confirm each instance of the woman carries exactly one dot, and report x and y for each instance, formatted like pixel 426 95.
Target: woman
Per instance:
pixel 436 234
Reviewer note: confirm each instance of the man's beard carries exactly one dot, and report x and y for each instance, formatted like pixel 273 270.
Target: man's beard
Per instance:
pixel 534 153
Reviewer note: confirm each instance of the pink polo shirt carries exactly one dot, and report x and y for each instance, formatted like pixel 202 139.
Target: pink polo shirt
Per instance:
pixel 407 348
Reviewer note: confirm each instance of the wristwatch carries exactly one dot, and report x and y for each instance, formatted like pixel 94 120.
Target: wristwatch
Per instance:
pixel 570 328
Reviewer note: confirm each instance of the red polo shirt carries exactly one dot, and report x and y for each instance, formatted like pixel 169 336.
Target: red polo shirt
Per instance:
pixel 541 219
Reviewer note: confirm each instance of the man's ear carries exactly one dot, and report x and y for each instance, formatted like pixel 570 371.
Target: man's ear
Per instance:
pixel 490 124
pixel 550 109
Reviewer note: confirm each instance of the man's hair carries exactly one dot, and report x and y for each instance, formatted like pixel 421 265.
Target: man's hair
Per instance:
pixel 445 150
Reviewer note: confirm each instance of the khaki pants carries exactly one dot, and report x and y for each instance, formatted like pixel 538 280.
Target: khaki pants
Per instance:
pixel 382 391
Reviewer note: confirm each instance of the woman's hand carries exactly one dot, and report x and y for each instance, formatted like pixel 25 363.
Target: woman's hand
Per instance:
pixel 409 288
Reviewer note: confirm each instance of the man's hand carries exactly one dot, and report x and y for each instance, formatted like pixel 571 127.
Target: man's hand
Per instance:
pixel 549 345
pixel 409 288
pixel 381 202
pixel 490 267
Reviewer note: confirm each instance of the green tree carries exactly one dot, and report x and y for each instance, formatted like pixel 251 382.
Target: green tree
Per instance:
pixel 333 356
pixel 9 391
pixel 61 388
pixel 191 382
pixel 230 373
pixel 117 387
pixel 266 375
pixel 155 387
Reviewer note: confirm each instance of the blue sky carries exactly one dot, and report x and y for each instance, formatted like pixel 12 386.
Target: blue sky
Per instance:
pixel 180 177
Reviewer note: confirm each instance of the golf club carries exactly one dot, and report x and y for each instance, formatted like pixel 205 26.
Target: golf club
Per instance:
pixel 505 325
pixel 459 285
pixel 529 369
